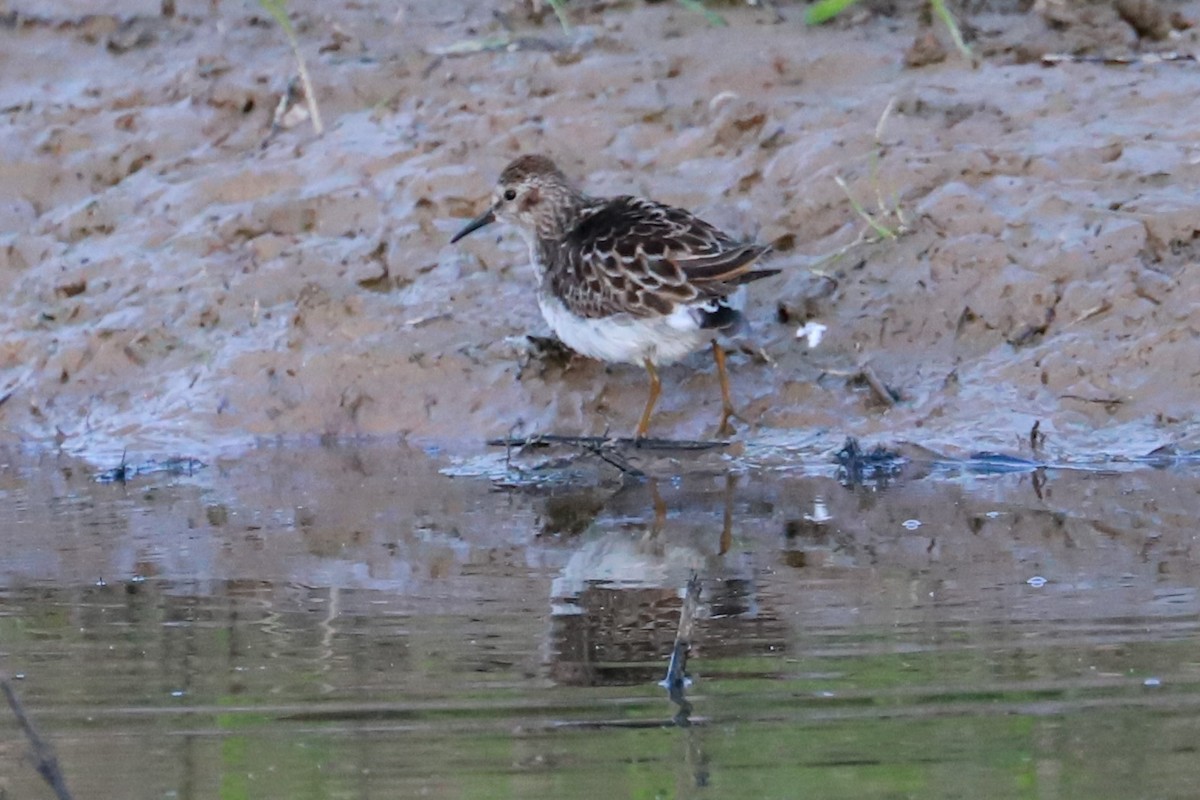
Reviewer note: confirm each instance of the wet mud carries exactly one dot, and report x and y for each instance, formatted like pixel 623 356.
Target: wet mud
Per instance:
pixel 188 271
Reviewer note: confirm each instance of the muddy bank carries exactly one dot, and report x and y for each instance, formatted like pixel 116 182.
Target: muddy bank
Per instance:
pixel 181 279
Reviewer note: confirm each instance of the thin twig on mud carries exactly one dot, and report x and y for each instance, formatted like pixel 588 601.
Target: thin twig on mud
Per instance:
pixel 45 761
pixel 1104 401
pixel 1094 311
pixel 494 44
pixel 882 393
pixel 879 389
pixel 1054 59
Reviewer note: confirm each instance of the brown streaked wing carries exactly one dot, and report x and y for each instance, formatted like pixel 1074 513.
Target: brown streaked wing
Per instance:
pixel 587 288
pixel 647 257
pixel 727 266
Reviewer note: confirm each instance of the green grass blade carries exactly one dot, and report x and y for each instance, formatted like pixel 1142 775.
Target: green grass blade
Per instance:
pixel 278 10
pixel 714 19
pixel 561 12
pixel 825 10
pixel 941 12
pixel 881 230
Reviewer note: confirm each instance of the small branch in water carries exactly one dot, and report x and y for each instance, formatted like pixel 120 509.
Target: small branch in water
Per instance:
pixel 125 471
pixel 45 761
pixel 616 461
pixel 857 466
pixel 609 450
pixel 1036 437
pixel 676 679
pixel 550 439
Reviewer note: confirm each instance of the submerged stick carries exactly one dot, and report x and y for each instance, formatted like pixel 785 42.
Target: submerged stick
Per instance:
pixel 612 459
pixel 45 761
pixel 609 450
pixel 587 442
pixel 676 679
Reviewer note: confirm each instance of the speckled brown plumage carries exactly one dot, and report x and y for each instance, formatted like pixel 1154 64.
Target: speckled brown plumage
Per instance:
pixel 635 256
pixel 625 279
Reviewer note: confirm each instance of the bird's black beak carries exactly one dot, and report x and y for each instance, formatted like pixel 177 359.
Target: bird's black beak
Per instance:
pixel 486 218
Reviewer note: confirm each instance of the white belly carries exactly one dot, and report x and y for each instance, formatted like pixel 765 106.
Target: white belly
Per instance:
pixel 624 338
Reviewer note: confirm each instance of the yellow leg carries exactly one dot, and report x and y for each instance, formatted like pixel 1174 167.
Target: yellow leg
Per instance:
pixel 727 411
pixel 655 389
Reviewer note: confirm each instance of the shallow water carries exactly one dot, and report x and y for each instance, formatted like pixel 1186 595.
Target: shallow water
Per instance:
pixel 350 622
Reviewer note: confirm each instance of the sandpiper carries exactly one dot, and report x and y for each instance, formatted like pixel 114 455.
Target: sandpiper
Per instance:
pixel 624 279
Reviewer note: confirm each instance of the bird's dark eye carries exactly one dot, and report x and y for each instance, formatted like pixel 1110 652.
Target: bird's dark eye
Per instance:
pixel 510 194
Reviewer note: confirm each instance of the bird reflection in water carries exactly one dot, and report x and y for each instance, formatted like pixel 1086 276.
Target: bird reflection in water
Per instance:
pixel 647 584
